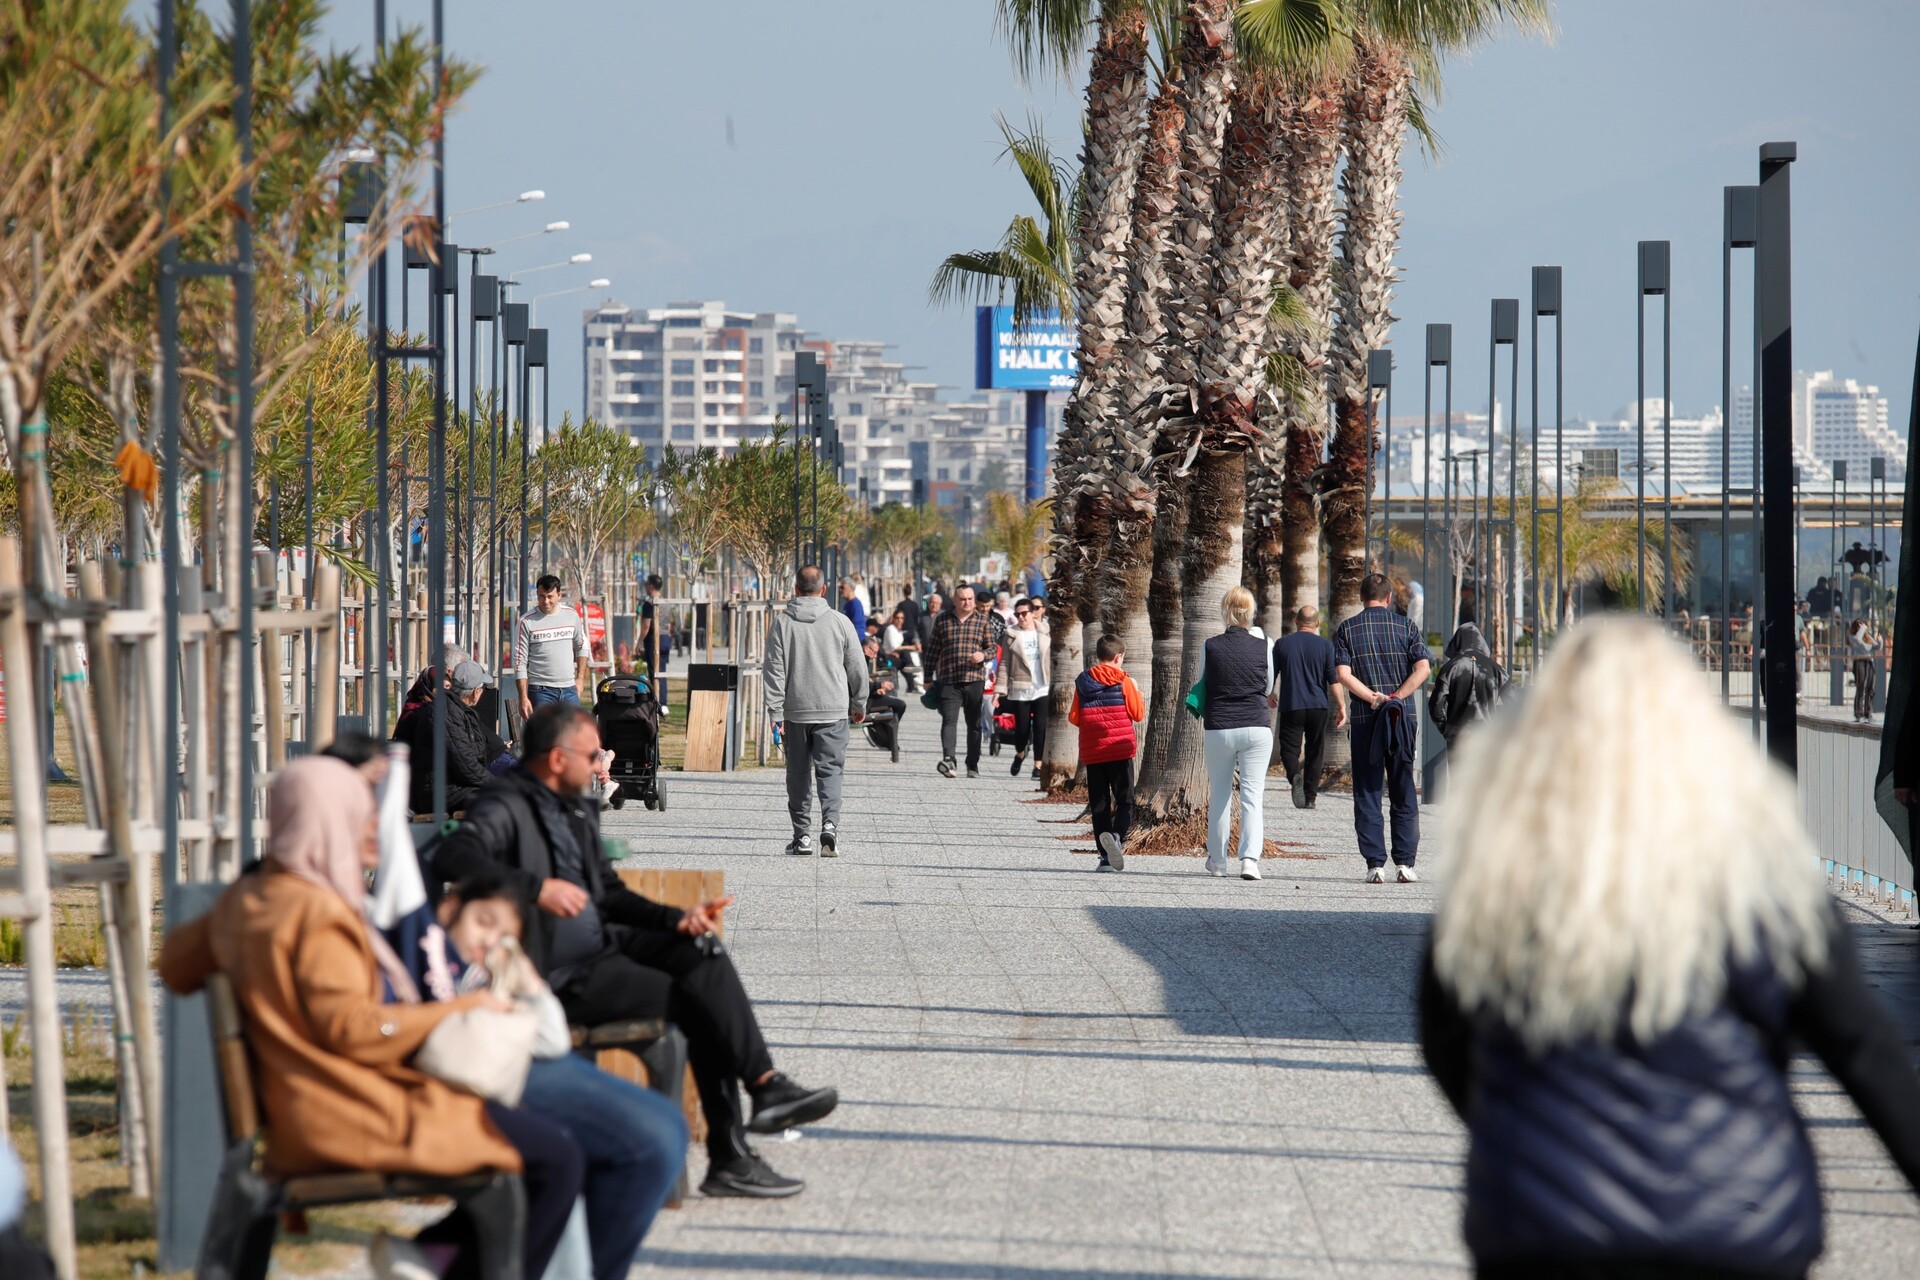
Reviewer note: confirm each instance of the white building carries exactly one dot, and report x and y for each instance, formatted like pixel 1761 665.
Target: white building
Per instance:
pixel 1836 419
pixel 694 374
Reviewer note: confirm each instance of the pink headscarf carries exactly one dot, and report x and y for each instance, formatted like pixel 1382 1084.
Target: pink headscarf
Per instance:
pixel 318 809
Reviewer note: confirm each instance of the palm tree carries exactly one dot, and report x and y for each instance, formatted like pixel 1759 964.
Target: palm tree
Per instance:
pixel 1018 528
pixel 1397 46
pixel 1050 33
pixel 1034 259
pixel 1170 762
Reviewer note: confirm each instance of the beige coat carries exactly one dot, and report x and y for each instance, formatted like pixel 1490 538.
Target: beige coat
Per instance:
pixel 331 1059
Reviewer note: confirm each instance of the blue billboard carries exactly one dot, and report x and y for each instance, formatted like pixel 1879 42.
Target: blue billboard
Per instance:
pixel 1042 356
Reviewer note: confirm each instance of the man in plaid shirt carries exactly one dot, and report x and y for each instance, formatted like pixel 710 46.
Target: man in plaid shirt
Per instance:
pixel 962 646
pixel 1381 659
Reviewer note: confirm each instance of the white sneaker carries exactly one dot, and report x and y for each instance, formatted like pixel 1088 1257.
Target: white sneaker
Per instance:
pixel 1406 875
pixel 1376 875
pixel 1249 869
pixel 392 1259
pixel 1216 867
pixel 1110 848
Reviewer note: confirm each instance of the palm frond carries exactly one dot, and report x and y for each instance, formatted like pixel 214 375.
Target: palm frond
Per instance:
pixel 1454 24
pixel 1302 38
pixel 1288 376
pixel 1050 181
pixel 1288 314
pixel 1044 35
pixel 1421 123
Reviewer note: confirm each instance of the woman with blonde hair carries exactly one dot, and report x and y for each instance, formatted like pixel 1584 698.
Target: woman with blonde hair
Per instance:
pixel 1236 668
pixel 1634 934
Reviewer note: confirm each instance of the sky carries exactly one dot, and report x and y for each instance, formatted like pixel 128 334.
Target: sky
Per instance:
pixel 822 158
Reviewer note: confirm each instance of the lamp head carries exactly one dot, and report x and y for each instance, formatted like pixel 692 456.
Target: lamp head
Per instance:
pixel 579 258
pixel 525 196
pixel 599 284
pixel 557 226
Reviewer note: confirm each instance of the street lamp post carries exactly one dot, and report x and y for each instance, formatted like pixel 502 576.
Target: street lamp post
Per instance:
pixel 1380 378
pixel 1739 219
pixel 1773 315
pixel 1503 331
pixel 536 358
pixel 1546 302
pixel 1655 272
pixel 1439 353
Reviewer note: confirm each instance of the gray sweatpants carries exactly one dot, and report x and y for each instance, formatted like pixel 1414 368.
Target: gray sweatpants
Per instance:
pixel 815 753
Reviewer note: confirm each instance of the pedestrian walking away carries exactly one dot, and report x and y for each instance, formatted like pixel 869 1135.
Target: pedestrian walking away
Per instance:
pixel 550 650
pixel 1308 693
pixel 702 598
pixel 1862 653
pixel 816 681
pixel 962 645
pixel 1027 685
pixel 851 605
pixel 612 955
pixel 1635 939
pixel 1236 680
pixel 1381 661
pixel 1465 689
pixel 1106 706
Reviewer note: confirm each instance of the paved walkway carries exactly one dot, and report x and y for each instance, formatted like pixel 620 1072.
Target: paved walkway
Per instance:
pixel 1050 1073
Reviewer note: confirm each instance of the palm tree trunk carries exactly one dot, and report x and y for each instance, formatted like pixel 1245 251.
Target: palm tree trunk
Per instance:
pixel 1313 143
pixel 1166 620
pixel 1376 117
pixel 1266 476
pixel 1109 160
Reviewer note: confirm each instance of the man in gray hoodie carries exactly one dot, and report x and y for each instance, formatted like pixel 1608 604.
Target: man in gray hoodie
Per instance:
pixel 816 678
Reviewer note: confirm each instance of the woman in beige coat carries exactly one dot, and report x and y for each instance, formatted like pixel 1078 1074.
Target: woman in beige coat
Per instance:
pixel 330 1055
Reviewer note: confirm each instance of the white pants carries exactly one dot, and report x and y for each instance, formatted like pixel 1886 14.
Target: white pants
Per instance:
pixel 1248 750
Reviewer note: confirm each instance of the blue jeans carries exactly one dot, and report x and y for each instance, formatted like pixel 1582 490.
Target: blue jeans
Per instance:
pixel 635 1142
pixel 541 694
pixel 1395 778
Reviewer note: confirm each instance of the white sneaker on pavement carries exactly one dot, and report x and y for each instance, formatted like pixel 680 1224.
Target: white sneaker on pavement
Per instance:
pixel 1249 869
pixel 1406 875
pixel 1376 875
pixel 1111 851
pixel 1216 867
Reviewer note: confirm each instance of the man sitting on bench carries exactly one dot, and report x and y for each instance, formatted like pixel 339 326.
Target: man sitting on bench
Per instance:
pixel 880 684
pixel 611 955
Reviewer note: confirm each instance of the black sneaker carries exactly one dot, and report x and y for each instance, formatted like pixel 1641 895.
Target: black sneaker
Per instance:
pixel 751 1177
pixel 801 846
pixel 781 1104
pixel 829 840
pixel 972 772
pixel 1019 758
pixel 1299 785
pixel 945 767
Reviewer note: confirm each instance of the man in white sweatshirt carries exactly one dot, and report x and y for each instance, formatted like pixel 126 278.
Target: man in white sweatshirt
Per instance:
pixel 816 678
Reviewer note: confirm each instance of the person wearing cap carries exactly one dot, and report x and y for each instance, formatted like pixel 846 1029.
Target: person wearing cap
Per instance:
pixel 471 747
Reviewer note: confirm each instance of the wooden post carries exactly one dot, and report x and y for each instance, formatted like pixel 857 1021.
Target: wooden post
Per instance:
pixel 125 928
pixel 30 837
pixel 273 700
pixel 193 704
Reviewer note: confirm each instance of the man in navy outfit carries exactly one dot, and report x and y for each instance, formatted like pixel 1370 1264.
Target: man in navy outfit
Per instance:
pixel 1381 659
pixel 1304 660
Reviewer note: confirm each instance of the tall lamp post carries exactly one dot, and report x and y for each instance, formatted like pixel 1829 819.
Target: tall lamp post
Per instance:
pixel 1655 270
pixel 1546 302
pixel 1773 314
pixel 1739 229
pixel 1439 355
pixel 1503 331
pixel 1380 379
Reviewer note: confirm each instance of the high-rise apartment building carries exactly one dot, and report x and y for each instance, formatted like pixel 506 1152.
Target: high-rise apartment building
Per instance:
pixel 694 374
pixel 1836 419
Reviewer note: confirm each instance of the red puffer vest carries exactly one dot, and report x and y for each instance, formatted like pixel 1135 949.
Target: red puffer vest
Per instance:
pixel 1106 728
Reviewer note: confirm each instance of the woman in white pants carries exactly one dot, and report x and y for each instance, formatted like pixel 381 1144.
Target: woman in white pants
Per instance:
pixel 1237 667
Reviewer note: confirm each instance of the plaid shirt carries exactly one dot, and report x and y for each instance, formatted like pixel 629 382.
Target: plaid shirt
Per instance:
pixel 1381 647
pixel 954 639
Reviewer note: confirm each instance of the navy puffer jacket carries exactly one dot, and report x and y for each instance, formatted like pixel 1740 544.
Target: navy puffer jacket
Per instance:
pixel 1687 1149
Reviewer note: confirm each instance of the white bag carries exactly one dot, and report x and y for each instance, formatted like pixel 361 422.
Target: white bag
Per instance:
pixel 483 1051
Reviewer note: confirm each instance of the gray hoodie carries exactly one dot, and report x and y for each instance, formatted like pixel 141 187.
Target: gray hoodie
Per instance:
pixel 815 672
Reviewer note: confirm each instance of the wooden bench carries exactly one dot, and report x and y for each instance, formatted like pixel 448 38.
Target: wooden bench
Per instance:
pixel 248 1201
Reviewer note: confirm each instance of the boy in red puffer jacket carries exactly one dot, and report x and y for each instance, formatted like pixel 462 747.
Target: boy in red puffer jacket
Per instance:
pixel 1106 706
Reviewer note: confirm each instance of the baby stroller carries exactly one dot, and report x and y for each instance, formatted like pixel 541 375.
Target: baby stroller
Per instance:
pixel 629 717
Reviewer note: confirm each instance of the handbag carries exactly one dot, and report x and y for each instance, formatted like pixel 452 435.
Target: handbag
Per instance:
pixel 930 696
pixel 483 1051
pixel 1197 697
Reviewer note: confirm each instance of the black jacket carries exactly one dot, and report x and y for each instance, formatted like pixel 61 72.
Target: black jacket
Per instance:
pixel 1687 1149
pixel 1468 685
pixel 503 829
pixel 470 749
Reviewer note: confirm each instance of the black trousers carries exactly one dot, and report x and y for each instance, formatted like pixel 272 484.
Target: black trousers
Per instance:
pixel 1030 726
pixel 700 625
pixel 1307 727
pixel 553 1173
pixel 655 974
pixel 957 700
pixel 1110 796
